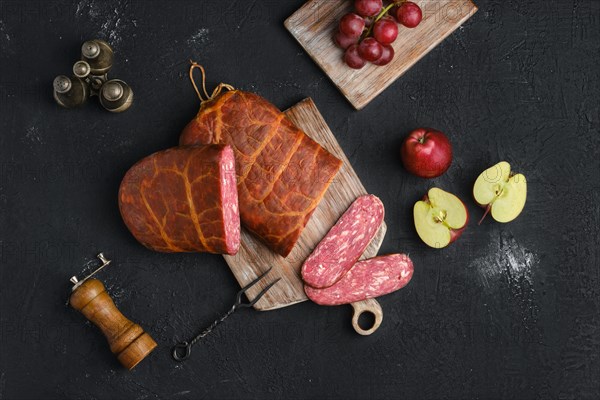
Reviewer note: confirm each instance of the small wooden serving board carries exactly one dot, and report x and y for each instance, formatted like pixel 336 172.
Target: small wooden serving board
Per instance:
pixel 315 23
pixel 254 257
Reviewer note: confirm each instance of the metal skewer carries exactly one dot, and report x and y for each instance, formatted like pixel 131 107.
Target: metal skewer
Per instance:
pixel 182 351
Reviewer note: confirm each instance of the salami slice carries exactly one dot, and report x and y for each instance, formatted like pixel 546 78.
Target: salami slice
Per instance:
pixel 366 280
pixel 183 199
pixel 345 242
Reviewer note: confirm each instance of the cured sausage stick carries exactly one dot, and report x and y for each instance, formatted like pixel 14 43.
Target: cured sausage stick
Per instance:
pixel 345 242
pixel 366 280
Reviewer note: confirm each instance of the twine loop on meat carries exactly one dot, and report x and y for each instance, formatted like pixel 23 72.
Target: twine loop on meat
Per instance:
pixel 215 92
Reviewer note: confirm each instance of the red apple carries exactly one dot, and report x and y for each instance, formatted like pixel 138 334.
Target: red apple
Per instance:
pixel 426 153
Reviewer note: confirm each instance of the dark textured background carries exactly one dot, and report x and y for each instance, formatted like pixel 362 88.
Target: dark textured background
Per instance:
pixel 509 311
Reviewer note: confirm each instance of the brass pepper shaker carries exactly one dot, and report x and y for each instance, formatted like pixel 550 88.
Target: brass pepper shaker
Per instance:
pixel 70 92
pixel 91 79
pixel 99 55
pixel 116 95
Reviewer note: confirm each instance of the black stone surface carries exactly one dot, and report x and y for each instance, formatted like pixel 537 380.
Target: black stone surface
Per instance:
pixel 509 311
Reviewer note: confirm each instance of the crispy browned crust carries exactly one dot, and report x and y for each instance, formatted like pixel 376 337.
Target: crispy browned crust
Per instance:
pixel 282 173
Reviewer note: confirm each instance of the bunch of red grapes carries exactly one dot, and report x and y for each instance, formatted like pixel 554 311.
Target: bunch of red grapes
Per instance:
pixel 367 34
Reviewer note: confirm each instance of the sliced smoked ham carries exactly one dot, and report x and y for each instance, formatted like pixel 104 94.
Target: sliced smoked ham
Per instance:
pixel 282 174
pixel 183 199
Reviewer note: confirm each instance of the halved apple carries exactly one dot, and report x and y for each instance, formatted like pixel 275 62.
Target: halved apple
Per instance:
pixel 501 192
pixel 440 218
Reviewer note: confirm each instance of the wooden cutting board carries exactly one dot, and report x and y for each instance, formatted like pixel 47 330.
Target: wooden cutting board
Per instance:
pixel 315 23
pixel 255 258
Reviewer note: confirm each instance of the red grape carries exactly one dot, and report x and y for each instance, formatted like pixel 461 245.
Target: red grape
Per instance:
pixel 344 41
pixel 409 14
pixel 353 59
pixel 368 8
pixel 352 25
pixel 385 30
pixel 386 56
pixel 370 49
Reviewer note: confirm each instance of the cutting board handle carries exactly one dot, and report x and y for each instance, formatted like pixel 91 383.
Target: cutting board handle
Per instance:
pixel 370 306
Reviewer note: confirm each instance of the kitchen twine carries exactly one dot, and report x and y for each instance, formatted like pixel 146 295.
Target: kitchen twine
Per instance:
pixel 215 92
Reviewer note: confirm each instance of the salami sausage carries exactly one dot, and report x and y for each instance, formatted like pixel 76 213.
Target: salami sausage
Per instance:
pixel 183 200
pixel 345 242
pixel 366 279
pixel 282 174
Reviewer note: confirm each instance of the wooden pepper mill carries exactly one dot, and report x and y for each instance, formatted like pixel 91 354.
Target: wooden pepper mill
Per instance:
pixel 127 340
